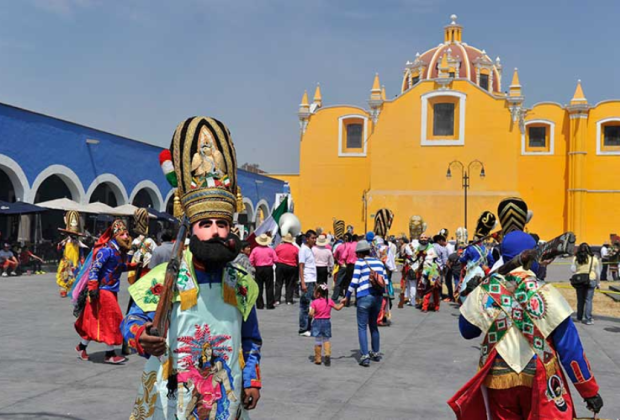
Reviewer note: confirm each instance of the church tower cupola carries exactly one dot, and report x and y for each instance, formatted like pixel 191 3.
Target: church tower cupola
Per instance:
pixel 453 32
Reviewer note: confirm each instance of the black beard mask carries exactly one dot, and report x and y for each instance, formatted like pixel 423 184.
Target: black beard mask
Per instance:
pixel 215 253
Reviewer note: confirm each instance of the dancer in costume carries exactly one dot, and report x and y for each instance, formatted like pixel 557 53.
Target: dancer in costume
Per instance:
pixel 408 282
pixel 476 258
pixel 101 316
pixel 142 247
pixel 207 367
pixel 528 335
pixel 426 267
pixel 72 253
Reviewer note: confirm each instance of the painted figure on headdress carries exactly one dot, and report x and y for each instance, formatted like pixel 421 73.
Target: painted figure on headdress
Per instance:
pixel 142 247
pixel 409 278
pixel 72 253
pixel 207 367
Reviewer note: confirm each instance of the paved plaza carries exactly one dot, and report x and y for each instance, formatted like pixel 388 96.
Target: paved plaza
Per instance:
pixel 425 362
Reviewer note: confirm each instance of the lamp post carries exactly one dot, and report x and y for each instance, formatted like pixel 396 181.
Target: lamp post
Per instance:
pixel 465 178
pixel 365 209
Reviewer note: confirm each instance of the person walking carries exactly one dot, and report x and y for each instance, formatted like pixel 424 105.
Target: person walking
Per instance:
pixel 323 258
pixel 320 311
pixel 263 259
pixel 341 253
pixel 453 273
pixel 307 279
pixel 368 300
pixel 286 269
pixel 585 263
pixel 163 252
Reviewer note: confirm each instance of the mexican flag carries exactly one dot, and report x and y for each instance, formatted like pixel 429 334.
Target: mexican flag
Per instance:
pixel 270 225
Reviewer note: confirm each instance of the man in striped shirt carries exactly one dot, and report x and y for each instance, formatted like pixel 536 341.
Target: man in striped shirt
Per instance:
pixel 368 300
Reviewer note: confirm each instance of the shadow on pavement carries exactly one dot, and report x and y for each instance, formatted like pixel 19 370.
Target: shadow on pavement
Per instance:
pixel 38 416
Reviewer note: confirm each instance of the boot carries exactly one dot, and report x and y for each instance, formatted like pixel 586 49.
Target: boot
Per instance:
pixel 328 353
pixel 317 355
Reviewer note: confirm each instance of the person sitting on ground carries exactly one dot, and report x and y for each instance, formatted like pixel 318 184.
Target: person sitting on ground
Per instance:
pixel 28 259
pixel 320 311
pixel 8 262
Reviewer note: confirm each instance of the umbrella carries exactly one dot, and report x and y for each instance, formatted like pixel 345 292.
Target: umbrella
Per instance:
pixel 129 210
pixel 19 208
pixel 162 215
pixel 61 204
pixel 100 208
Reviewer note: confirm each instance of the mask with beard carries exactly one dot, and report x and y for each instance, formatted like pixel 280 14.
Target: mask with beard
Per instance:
pixel 124 244
pixel 423 243
pixel 215 253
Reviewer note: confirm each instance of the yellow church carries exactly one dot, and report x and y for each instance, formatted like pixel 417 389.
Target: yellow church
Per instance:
pixel 455 111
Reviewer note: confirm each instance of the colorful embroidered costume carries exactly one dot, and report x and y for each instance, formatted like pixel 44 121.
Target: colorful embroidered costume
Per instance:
pixel 222 321
pixel 528 335
pixel 102 316
pixel 72 253
pixel 428 293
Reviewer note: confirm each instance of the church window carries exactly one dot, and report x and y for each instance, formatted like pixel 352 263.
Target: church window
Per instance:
pixel 415 80
pixel 443 119
pixel 452 74
pixel 611 135
pixel 537 136
pixel 484 81
pixel 354 136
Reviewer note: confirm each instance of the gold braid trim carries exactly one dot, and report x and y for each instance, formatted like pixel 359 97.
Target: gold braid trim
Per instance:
pixel 508 380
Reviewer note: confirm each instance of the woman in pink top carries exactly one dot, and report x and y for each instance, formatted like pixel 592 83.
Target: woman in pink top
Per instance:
pixel 263 259
pixel 320 311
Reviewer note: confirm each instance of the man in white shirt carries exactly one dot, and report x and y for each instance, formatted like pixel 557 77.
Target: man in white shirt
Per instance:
pixel 604 260
pixel 307 281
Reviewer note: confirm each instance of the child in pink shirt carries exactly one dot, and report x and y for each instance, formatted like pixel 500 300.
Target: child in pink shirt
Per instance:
pixel 320 311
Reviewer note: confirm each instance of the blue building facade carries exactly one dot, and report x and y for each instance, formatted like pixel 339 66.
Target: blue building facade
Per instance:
pixel 43 158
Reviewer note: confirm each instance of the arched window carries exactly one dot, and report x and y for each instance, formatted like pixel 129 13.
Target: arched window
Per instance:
pixel 538 138
pixel 352 135
pixel 443 118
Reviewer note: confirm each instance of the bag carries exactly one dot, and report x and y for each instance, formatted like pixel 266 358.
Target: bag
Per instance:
pixel 376 280
pixel 582 279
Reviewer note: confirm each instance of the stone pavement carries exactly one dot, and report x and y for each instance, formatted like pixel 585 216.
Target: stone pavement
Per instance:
pixel 425 362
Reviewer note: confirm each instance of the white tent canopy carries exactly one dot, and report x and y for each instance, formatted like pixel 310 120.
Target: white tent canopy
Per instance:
pixel 129 210
pixel 62 204
pixel 100 208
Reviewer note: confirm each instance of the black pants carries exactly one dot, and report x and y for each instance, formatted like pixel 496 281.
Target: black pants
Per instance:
pixel 604 269
pixel 286 275
pixel 321 275
pixel 338 282
pixel 264 278
pixel 449 276
pixel 348 277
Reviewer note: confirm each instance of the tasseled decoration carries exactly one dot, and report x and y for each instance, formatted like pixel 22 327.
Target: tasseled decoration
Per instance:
pixel 165 161
pixel 177 208
pixel 172 385
pixel 240 204
pixel 241 359
pixel 189 298
pixel 166 368
pixel 509 380
pixel 229 294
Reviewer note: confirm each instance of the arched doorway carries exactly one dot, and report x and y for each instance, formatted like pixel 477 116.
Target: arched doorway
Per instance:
pixel 143 199
pixel 7 192
pixel 51 188
pixel 104 193
pixel 170 205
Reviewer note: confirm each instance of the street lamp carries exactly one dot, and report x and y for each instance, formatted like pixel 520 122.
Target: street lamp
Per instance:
pixel 465 171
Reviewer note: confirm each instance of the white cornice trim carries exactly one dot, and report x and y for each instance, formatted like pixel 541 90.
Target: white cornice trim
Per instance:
pixel 158 202
pixel 551 151
pixel 70 178
pixel 117 187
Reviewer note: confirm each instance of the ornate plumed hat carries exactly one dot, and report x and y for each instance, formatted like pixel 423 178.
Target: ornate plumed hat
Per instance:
pixel 202 165
pixel 444 232
pixel 338 229
pixel 72 223
pixel 141 221
pixel 513 214
pixel 417 226
pixel 383 222
pixel 461 235
pixel 486 222
pixel 118 227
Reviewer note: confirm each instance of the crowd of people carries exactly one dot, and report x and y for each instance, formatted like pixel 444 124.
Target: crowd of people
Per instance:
pixel 194 302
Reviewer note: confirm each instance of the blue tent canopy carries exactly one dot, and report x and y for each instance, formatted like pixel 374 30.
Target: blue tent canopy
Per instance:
pixel 162 215
pixel 7 208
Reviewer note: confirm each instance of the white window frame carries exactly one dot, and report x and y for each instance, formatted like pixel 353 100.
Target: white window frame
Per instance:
pixel 599 140
pixel 460 141
pixel 341 145
pixel 551 150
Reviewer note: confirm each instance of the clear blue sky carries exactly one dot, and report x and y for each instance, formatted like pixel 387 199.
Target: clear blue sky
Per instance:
pixel 138 67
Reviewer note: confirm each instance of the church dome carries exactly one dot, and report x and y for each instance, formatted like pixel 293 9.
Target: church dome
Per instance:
pixel 457 59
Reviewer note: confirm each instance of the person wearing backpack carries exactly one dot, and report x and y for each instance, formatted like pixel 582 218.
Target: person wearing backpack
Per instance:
pixel 368 284
pixel 585 266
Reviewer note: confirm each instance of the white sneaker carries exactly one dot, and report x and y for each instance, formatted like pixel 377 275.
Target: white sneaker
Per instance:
pixel 5 274
pixel 13 273
pixel 305 334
